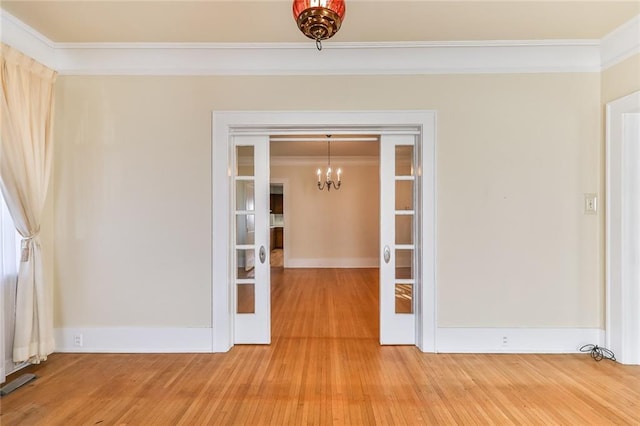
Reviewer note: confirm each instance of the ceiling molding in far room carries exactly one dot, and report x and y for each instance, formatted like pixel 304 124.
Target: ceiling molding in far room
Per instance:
pixel 389 58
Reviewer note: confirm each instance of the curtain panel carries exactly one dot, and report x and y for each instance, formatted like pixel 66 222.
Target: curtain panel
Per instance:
pixel 25 163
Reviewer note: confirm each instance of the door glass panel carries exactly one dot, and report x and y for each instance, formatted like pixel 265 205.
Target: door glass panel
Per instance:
pixel 404 298
pixel 245 263
pixel 404 264
pixel 245 229
pixel 244 161
pixel 245 195
pixel 404 160
pixel 404 229
pixel 246 299
pixel 404 195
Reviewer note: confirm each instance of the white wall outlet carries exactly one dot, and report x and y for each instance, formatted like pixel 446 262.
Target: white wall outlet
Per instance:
pixel 590 203
pixel 77 340
pixel 505 341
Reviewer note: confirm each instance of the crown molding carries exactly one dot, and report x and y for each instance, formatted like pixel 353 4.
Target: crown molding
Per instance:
pixel 621 43
pixel 334 59
pixel 392 58
pixel 22 37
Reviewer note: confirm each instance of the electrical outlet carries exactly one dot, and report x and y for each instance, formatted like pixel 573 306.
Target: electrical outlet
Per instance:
pixel 505 341
pixel 77 340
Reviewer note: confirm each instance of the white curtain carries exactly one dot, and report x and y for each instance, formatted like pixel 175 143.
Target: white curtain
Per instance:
pixel 25 163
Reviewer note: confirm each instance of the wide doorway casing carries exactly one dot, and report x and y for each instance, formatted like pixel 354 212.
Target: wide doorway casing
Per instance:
pixel 623 229
pixel 227 125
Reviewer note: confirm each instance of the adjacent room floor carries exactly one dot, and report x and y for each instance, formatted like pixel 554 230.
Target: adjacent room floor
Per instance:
pixel 277 258
pixel 325 367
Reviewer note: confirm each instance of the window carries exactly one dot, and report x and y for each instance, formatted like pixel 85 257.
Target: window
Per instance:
pixel 10 240
pixel 9 263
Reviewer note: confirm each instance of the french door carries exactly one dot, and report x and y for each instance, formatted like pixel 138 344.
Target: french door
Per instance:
pixel 398 230
pixel 250 236
pixel 399 225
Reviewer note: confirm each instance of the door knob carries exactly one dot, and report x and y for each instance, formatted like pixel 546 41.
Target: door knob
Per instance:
pixel 262 254
pixel 387 254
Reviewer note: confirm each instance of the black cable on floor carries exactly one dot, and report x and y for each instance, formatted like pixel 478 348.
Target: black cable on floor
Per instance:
pixel 598 353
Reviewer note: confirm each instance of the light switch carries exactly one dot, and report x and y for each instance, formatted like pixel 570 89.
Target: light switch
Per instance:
pixel 590 203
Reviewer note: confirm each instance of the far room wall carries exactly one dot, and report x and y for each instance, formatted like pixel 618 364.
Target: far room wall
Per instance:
pixel 327 226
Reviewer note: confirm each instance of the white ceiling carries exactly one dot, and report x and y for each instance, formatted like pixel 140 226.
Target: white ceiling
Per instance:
pixel 365 21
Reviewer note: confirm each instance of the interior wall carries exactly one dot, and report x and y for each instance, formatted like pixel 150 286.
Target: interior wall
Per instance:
pixel 515 155
pixel 621 79
pixel 326 225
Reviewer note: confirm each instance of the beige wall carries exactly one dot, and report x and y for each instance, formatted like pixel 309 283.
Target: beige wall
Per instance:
pixel 335 224
pixel 515 153
pixel 621 79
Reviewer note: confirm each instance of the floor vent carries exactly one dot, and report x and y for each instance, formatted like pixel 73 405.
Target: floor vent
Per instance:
pixel 15 384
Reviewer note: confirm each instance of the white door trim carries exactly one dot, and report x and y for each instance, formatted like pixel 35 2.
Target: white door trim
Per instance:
pixel 623 232
pixel 227 123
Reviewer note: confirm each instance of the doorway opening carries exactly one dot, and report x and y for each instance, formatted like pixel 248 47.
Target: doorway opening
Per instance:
pixel 329 285
pixel 276 224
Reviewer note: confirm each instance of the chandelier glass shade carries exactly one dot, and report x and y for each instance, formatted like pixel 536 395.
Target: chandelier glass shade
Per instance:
pixel 328 178
pixel 319 19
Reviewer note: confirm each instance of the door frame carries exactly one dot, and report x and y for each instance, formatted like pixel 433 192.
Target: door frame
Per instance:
pixel 227 123
pixel 622 329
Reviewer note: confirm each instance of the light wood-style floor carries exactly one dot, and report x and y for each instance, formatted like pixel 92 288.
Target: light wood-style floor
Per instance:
pixel 276 258
pixel 325 367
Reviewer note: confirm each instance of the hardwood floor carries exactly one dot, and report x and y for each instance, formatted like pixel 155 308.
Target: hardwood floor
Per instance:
pixel 325 367
pixel 276 258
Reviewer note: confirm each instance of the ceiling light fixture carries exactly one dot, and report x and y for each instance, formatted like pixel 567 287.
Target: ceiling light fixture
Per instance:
pixel 328 182
pixel 319 19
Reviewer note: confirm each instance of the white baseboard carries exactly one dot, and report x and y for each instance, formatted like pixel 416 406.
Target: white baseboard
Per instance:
pixel 448 340
pixel 353 262
pixel 134 340
pixel 516 340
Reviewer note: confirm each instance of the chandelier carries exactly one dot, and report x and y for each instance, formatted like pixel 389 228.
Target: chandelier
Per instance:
pixel 328 180
pixel 319 19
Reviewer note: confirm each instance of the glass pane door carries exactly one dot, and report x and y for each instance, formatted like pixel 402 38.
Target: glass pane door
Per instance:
pixel 250 232
pixel 397 236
